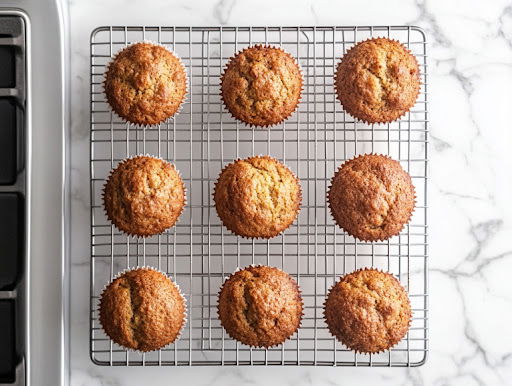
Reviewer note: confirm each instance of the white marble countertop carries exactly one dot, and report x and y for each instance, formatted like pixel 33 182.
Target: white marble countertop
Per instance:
pixel 470 183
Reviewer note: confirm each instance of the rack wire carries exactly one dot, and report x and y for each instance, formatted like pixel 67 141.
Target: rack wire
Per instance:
pixel 198 253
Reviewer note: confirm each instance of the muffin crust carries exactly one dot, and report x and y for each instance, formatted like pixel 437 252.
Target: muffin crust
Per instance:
pixel 142 310
pixel 260 306
pixel 368 311
pixel 371 197
pixel 261 85
pixel 144 196
pixel 145 84
pixel 378 80
pixel 257 197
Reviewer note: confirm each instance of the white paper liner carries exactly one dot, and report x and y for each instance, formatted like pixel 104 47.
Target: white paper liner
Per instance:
pixel 353 272
pixel 238 269
pixel 299 196
pixel 336 83
pixel 301 86
pixel 180 108
pixel 185 313
pixel 110 175
pixel 332 210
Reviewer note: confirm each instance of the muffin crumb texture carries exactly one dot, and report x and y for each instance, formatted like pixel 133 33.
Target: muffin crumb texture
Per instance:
pixel 261 85
pixel 260 306
pixel 368 311
pixel 142 310
pixel 371 197
pixel 378 80
pixel 257 197
pixel 144 196
pixel 145 84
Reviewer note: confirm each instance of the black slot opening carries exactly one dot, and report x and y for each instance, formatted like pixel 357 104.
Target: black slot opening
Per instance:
pixel 7 341
pixel 11 239
pixel 7 67
pixel 8 146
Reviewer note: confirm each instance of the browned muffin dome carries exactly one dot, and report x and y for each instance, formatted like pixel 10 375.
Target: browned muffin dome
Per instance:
pixel 371 197
pixel 144 196
pixel 260 306
pixel 378 80
pixel 145 84
pixel 368 311
pixel 261 85
pixel 142 310
pixel 257 197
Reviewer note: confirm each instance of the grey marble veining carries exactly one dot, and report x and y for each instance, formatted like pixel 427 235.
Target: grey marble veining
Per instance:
pixel 470 75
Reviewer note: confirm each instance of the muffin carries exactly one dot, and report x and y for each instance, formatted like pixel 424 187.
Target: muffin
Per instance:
pixel 142 309
pixel 377 80
pixel 257 197
pixel 144 196
pixel 261 85
pixel 260 306
pixel 145 84
pixel 368 311
pixel 371 197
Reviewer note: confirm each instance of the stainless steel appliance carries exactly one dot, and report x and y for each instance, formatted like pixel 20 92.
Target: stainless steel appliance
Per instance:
pixel 14 195
pixel 33 203
pixel 14 173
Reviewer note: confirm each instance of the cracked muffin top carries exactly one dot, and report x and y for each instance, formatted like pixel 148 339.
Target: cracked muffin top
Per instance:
pixel 368 311
pixel 378 80
pixel 371 197
pixel 144 196
pixel 257 197
pixel 261 85
pixel 260 306
pixel 145 84
pixel 142 310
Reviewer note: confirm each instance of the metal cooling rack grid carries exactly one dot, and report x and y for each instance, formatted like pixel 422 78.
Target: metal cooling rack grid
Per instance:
pixel 198 252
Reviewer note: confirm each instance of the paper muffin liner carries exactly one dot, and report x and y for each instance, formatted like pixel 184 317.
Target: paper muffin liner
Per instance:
pixel 144 267
pixel 296 212
pixel 332 210
pixel 299 100
pixel 135 235
pixel 239 269
pixel 180 107
pixel 382 121
pixel 368 269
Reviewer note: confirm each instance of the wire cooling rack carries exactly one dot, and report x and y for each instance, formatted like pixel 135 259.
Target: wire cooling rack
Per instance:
pixel 199 252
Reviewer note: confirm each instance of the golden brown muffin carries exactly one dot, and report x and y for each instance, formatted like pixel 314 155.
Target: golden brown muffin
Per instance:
pixel 371 197
pixel 368 311
pixel 142 310
pixel 261 85
pixel 145 84
pixel 260 306
pixel 377 80
pixel 257 197
pixel 144 196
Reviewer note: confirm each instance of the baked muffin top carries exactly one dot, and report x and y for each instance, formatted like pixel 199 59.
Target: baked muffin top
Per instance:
pixel 378 80
pixel 144 196
pixel 142 310
pixel 368 311
pixel 145 84
pixel 260 306
pixel 261 85
pixel 257 197
pixel 371 197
